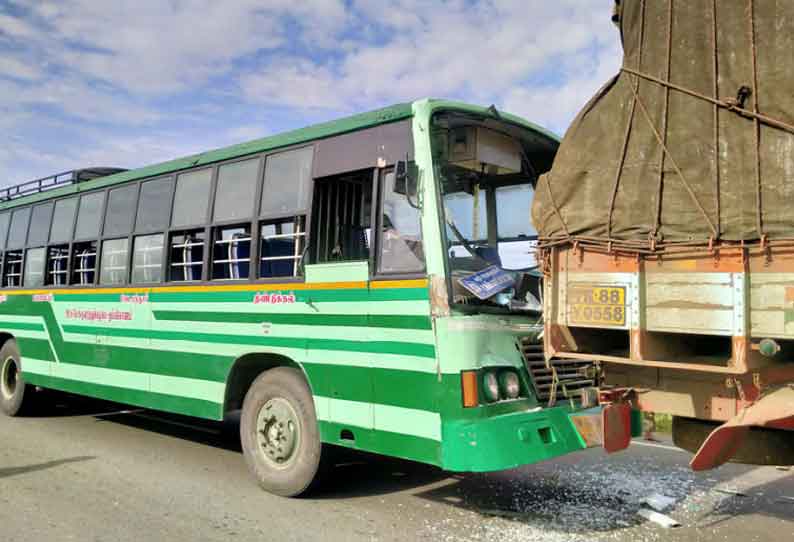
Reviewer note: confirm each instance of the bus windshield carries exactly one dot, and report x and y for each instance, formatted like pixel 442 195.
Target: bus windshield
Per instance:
pixel 487 171
pixel 468 217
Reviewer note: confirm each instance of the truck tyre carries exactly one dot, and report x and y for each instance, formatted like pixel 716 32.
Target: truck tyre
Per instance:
pixel 15 395
pixel 279 432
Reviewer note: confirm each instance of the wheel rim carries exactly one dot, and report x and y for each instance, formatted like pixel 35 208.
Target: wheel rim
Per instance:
pixel 9 378
pixel 278 433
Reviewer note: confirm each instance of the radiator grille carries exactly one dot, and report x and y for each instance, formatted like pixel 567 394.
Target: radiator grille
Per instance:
pixel 572 375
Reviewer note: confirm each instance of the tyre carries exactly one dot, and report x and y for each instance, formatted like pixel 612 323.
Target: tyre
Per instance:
pixel 279 432
pixel 14 394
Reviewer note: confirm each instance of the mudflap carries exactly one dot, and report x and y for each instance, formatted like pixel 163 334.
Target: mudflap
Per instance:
pixel 775 409
pixel 608 427
pixel 616 426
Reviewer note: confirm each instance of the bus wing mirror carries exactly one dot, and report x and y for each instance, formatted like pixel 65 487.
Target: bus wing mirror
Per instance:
pixel 406 181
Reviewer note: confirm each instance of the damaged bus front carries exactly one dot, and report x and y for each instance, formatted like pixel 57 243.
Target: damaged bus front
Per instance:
pixel 513 408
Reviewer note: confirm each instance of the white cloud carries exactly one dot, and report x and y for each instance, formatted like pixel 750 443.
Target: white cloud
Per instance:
pixel 11 67
pixel 129 83
pixel 294 83
pixel 150 46
pixel 555 105
pixel 486 52
pixel 15 27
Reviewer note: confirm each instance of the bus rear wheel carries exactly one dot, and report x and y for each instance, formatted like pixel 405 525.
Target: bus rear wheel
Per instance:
pixel 13 389
pixel 279 432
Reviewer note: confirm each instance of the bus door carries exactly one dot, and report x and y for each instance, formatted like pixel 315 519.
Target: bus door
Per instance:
pixel 339 256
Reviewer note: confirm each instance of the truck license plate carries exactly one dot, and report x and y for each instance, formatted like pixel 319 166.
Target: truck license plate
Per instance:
pixel 597 305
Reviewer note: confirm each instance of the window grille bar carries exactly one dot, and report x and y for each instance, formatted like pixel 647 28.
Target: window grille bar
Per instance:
pixel 189 245
pixel 284 235
pixel 226 241
pixel 233 260
pixel 276 258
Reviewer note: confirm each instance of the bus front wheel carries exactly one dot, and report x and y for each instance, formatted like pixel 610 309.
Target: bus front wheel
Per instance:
pixel 13 390
pixel 279 432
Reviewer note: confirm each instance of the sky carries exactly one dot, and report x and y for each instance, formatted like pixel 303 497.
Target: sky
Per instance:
pixel 134 82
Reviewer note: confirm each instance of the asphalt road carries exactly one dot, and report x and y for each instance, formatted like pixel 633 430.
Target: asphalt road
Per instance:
pixel 86 471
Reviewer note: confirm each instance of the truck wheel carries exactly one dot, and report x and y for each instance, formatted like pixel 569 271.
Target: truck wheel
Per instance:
pixel 279 432
pixel 13 390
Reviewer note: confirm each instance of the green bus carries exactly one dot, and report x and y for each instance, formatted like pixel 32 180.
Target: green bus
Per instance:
pixel 366 283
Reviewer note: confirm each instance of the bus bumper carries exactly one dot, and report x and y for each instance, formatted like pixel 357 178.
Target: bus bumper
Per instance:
pixel 520 438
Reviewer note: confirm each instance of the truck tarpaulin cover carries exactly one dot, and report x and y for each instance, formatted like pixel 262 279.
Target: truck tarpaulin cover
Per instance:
pixel 693 140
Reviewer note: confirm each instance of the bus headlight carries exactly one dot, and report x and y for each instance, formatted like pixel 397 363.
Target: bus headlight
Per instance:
pixel 509 384
pixel 490 386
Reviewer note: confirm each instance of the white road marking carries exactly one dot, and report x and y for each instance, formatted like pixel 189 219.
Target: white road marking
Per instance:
pixel 654 445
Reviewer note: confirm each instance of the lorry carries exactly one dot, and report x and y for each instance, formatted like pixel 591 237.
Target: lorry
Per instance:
pixel 666 228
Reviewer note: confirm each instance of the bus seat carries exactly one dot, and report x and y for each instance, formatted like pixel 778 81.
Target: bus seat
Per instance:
pixel 277 268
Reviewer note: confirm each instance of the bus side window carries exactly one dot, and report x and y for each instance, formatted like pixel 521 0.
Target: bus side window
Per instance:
pixel 57 260
pixel 187 248
pixel 14 256
pixel 113 267
pixel 281 247
pixel 5 219
pixel 12 269
pixel 34 268
pixel 401 249
pixel 231 253
pixel 186 261
pixel 341 218
pixel 57 271
pixel 147 258
pixel 84 263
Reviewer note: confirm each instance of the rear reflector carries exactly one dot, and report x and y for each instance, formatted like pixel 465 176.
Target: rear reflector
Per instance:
pixel 468 382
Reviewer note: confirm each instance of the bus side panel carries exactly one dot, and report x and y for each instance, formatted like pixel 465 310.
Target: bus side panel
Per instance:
pixel 369 354
pixel 101 345
pixel 376 388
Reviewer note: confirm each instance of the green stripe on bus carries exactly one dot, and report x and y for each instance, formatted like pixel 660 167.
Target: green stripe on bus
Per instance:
pixel 158 401
pixel 392 321
pixel 399 294
pixel 375 347
pixel 158 362
pixel 35 348
pixel 22 326
pixel 406 389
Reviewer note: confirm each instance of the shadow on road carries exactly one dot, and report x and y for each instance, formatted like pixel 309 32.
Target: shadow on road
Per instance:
pixel 358 474
pixel 56 404
pixel 224 435
pixel 15 471
pixel 772 499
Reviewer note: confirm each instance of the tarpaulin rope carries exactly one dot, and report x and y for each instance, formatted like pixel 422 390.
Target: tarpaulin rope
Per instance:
pixel 725 104
pixel 547 179
pixel 716 113
pixel 756 124
pixel 627 134
pixel 678 171
pixel 657 219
